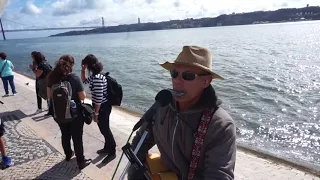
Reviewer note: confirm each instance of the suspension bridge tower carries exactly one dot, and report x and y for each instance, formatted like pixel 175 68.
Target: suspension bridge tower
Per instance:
pixel 4 37
pixel 102 22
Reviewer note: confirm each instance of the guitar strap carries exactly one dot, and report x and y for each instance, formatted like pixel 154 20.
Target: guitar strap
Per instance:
pixel 199 140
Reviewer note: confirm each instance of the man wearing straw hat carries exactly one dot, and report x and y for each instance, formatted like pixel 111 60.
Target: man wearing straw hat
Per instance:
pixel 195 136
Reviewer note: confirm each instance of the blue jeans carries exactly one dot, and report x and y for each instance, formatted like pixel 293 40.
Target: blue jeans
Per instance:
pixel 5 81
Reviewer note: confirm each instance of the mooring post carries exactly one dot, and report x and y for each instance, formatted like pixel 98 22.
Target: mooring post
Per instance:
pixel 4 37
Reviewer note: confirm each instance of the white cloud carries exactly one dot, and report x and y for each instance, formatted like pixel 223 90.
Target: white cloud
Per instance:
pixel 91 21
pixel 68 7
pixel 30 9
pixel 3 4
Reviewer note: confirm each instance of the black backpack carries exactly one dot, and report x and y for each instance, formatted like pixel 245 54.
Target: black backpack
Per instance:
pixel 114 90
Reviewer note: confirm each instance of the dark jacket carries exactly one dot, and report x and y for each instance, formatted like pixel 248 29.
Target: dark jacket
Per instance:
pixel 173 133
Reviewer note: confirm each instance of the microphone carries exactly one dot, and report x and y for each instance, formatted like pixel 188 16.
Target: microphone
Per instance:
pixel 163 98
pixel 177 93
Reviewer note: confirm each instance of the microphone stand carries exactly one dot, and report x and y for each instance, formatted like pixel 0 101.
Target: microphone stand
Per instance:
pixel 163 98
pixel 132 155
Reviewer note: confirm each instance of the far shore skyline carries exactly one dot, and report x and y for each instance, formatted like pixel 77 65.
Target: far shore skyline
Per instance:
pixel 24 14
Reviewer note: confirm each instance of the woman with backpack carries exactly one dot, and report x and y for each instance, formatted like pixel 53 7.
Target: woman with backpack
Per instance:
pixel 6 74
pixel 41 69
pixel 102 108
pixel 65 91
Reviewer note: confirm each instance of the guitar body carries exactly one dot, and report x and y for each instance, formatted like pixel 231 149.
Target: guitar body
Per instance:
pixel 157 169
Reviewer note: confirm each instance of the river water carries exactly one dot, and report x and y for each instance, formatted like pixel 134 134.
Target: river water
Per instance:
pixel 271 71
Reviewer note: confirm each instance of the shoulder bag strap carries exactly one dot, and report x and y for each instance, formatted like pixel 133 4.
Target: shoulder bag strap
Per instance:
pixel 199 140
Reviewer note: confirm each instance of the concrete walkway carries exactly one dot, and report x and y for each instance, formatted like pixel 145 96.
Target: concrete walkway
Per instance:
pixel 34 143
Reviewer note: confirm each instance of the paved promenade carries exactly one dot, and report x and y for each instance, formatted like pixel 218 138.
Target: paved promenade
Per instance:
pixel 34 143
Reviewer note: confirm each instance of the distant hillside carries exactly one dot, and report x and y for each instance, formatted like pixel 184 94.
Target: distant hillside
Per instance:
pixel 256 17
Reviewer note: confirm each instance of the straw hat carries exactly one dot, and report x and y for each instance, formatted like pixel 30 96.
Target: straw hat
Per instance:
pixel 194 56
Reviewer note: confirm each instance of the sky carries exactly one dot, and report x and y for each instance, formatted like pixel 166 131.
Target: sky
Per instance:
pixel 68 13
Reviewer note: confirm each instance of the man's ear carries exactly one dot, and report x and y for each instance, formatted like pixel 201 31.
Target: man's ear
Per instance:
pixel 206 81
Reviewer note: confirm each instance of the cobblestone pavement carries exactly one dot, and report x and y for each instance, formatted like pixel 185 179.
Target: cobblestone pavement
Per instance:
pixel 33 157
pixel 23 145
pixel 48 167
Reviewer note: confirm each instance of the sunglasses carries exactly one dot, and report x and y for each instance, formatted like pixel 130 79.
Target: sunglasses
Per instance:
pixel 188 76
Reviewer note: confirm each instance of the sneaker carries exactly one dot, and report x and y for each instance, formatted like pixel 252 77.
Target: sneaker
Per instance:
pixel 69 157
pixel 84 164
pixel 38 111
pixel 6 161
pixel 7 95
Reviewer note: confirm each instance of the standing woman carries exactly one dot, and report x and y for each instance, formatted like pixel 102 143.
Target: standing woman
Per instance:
pixel 6 69
pixel 98 86
pixel 72 127
pixel 41 69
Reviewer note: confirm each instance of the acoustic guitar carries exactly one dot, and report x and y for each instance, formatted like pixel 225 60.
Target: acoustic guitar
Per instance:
pixel 157 169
